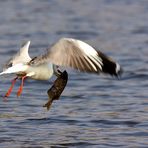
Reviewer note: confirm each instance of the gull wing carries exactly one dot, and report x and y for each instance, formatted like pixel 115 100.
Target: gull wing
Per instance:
pixel 79 55
pixel 72 53
pixel 21 56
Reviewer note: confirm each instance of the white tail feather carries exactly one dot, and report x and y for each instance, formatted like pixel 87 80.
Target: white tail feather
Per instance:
pixel 15 69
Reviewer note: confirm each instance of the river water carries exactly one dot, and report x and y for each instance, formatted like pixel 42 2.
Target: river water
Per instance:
pixel 93 111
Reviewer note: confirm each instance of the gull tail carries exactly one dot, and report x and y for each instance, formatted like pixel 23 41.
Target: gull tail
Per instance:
pixel 110 66
pixel 15 69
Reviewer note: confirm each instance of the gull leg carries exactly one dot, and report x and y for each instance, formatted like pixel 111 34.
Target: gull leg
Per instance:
pixel 10 89
pixel 21 86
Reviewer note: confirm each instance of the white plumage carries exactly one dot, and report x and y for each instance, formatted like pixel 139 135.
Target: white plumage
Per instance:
pixel 66 52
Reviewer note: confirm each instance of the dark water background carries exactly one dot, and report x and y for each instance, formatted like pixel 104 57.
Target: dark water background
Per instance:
pixel 94 111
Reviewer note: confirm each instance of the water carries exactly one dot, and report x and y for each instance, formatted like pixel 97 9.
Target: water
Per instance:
pixel 93 111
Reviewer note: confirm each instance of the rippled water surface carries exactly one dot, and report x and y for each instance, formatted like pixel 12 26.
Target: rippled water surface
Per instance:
pixel 93 111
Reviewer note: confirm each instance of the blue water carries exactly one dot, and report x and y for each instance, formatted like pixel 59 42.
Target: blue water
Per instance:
pixel 93 111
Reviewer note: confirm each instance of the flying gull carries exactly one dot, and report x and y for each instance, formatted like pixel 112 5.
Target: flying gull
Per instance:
pixel 67 52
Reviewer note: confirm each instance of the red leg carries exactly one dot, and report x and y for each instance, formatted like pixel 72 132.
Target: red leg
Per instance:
pixel 10 89
pixel 21 86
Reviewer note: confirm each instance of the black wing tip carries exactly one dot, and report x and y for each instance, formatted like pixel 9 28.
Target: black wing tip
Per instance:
pixel 112 68
pixel 109 66
pixel 118 73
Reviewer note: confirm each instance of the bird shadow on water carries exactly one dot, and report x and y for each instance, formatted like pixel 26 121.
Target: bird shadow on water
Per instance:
pixel 74 144
pixel 134 75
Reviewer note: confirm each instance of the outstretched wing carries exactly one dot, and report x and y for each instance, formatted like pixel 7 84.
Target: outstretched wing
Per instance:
pixel 79 55
pixel 72 53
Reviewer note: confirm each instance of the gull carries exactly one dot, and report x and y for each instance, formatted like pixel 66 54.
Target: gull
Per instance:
pixel 67 52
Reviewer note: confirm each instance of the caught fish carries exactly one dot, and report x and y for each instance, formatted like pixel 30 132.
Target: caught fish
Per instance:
pixel 57 88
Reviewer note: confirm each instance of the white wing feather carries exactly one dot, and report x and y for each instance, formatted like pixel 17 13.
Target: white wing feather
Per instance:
pixel 72 53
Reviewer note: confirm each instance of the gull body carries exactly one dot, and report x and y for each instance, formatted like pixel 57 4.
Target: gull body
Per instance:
pixel 41 72
pixel 66 52
pixel 20 66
